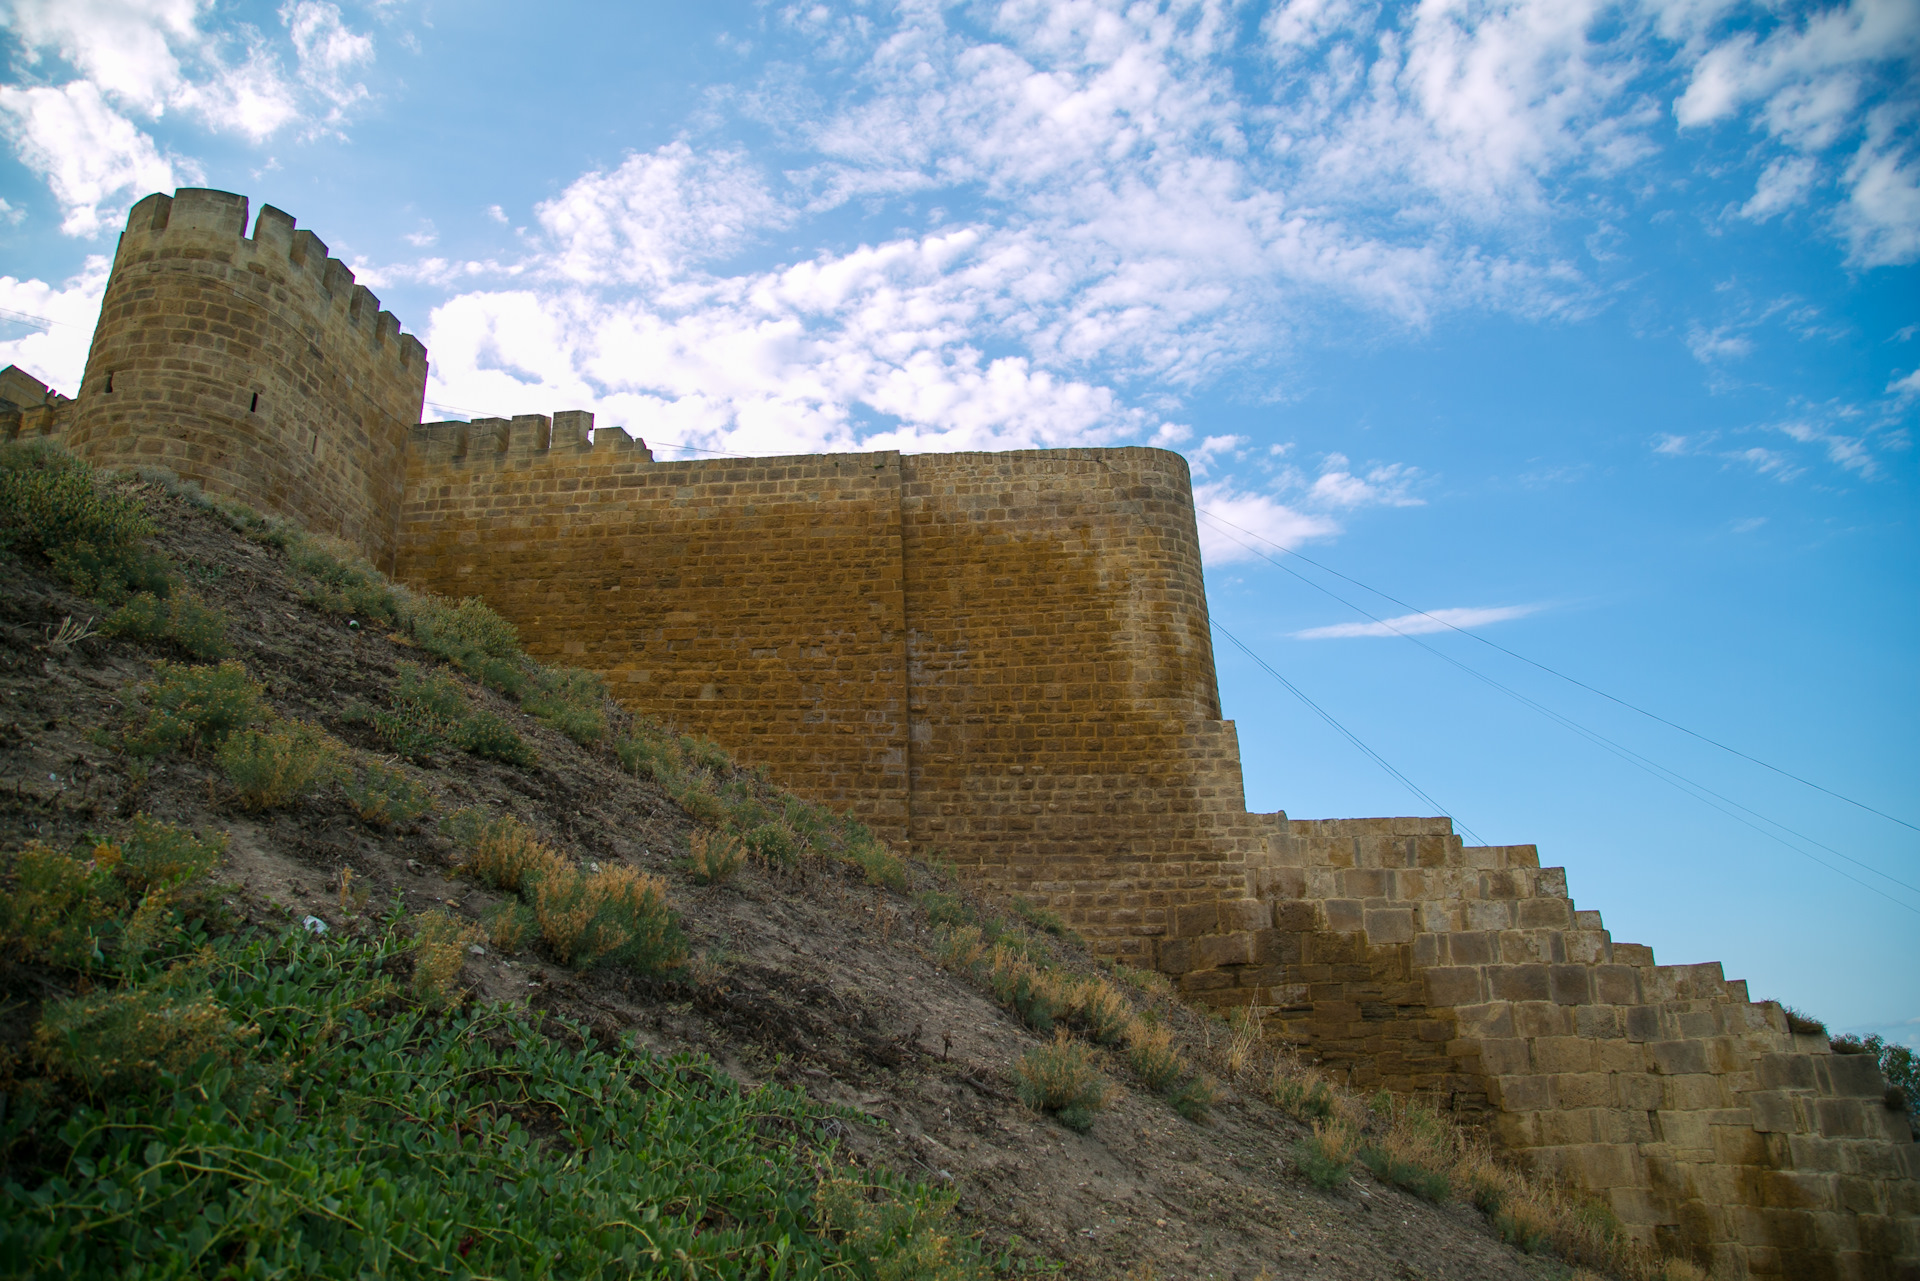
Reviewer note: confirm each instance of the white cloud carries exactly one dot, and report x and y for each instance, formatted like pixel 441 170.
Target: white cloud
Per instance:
pixel 1720 343
pixel 1905 387
pixel 1810 83
pixel 88 154
pixel 1237 526
pixel 57 353
pixel 1438 620
pixel 146 58
pixel 1783 184
pixel 656 215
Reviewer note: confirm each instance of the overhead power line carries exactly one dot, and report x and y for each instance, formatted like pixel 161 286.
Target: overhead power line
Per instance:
pixel 1571 680
pixel 1348 734
pixel 1673 778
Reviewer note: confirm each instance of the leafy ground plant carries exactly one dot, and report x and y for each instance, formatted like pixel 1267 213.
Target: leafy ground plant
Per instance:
pixel 385 796
pixel 1326 1155
pixel 193 708
pixel 277 766
pixel 310 1139
pixel 180 619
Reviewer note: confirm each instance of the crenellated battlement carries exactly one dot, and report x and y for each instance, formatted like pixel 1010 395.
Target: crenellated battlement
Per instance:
pixel 257 366
pixel 523 437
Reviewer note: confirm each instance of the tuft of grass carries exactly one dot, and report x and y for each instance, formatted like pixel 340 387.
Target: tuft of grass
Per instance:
pixel 440 942
pixel 898 1236
pixel 1043 918
pixel 945 908
pixel 1195 1099
pixel 341 582
pixel 649 756
pixel 1096 1006
pixel 510 926
pixel 386 797
pixel 276 767
pixel 1299 1091
pixel 571 700
pixel 155 856
pixel 501 852
pixel 1059 1079
pixel 712 857
pixel 1152 1056
pixel 1802 1024
pixel 180 620
pixel 700 802
pixel 94 535
pixel 774 845
pixel 490 737
pixel 466 632
pixel 1326 1155
pixel 193 708
pixel 612 915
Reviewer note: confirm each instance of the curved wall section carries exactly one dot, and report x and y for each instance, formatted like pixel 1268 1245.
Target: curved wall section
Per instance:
pixel 256 367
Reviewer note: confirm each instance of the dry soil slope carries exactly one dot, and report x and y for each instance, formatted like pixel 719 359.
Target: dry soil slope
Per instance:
pixel 812 976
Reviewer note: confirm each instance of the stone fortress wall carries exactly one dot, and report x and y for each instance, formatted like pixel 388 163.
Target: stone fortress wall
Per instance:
pixel 1005 659
pixel 254 366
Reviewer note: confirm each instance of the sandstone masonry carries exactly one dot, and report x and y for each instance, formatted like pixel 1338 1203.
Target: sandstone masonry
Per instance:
pixel 1004 659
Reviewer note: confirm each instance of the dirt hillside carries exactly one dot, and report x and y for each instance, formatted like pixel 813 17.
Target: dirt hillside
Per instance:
pixel 801 971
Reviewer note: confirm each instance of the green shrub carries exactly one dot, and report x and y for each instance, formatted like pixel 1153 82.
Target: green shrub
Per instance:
pixel 1303 1095
pixel 386 796
pixel 945 908
pixel 53 504
pixel 510 926
pixel 649 757
pixel 569 699
pixel 1097 1006
pixel 502 852
pixel 1151 1054
pixel 1059 1078
pixel 880 865
pixel 275 767
pixel 1391 1167
pixel 1326 1155
pixel 59 910
pixel 465 633
pixel 194 707
pixel 440 942
pixel 614 915
pixel 898 1236
pixel 774 844
pixel 180 620
pixel 705 754
pixel 714 856
pixel 159 856
pixel 119 903
pixel 487 735
pixel 340 582
pixel 700 803
pixel 425 714
pixel 121 1042
pixel 1195 1099
pixel 1042 918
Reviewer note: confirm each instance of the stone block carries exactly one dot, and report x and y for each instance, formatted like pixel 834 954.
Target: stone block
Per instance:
pixel 1505 1056
pixel 1343 915
pixel 1175 956
pixel 1519 982
pixel 1784 1071
pixel 1195 919
pixel 1643 1023
pixel 1545 913
pixel 1389 925
pixel 1454 985
pixel 1492 1020
pixel 1639 1091
pixel 1571 984
pixel 1855 1075
pixel 1530 1093
pixel 1616 984
pixel 1775 1112
pixel 1558 1054
pixel 1541 1018
pixel 1575 1089
pixel 1244 915
pixel 1679 1057
pixel 1599 1022
pixel 1213 951
pixel 1473 947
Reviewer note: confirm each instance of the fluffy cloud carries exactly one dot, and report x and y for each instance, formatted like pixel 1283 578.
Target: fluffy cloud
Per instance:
pixel 145 58
pixel 1439 620
pixel 88 153
pixel 1838 78
pixel 54 349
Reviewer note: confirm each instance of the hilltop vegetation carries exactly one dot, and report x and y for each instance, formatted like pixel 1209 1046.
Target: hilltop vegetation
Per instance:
pixel 342 939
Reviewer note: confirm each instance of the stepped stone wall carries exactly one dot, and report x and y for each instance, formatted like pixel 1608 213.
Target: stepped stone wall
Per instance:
pixel 1005 659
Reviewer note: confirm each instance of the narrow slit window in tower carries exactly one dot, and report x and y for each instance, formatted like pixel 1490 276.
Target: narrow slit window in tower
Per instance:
pixel 254 408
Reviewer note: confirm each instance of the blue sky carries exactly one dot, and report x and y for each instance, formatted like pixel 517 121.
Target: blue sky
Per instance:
pixel 1593 329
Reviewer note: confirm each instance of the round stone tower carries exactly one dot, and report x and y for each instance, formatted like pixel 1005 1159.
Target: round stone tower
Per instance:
pixel 256 367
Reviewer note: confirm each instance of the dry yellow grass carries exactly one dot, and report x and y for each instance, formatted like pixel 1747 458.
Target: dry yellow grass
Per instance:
pixel 713 856
pixel 440 943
